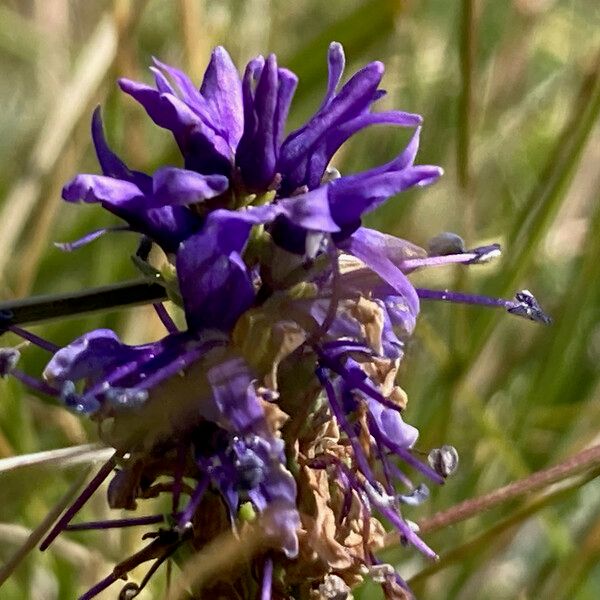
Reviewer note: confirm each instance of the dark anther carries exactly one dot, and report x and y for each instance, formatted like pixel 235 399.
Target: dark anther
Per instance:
pixel 527 306
pixel 9 357
pixel 444 460
pixel 129 590
pixel 485 253
pixel 167 536
pixel 417 496
pixel 6 318
pixel 144 248
pixel 249 467
pixel 77 402
pixel 446 243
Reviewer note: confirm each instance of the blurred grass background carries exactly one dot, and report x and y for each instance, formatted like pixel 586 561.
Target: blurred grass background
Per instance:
pixel 510 92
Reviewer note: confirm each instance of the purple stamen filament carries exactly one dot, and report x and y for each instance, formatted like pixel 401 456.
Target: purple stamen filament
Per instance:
pixel 165 317
pixel 35 384
pixel 437 261
pixel 338 413
pixel 406 455
pixel 100 586
pixel 174 367
pixel 193 503
pixel 460 298
pixel 267 579
pixel 392 515
pixel 60 525
pixel 353 380
pixel 116 523
pixel 34 339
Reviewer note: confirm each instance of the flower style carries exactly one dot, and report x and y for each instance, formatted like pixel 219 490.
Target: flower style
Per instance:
pixel 278 403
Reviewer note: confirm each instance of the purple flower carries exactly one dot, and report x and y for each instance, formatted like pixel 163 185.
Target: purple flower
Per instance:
pixel 230 132
pixel 231 135
pixel 244 459
pixel 279 400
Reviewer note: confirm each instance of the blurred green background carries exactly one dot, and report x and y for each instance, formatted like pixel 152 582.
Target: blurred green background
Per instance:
pixel 510 92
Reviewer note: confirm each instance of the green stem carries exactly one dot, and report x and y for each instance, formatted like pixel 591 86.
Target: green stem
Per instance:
pixel 465 106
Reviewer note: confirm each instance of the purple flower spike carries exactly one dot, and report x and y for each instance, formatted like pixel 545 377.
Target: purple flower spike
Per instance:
pixel 276 406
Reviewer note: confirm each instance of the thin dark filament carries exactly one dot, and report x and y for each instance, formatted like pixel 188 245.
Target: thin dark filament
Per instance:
pixel 460 298
pixel 158 550
pixel 154 567
pixel 399 475
pixel 340 417
pixel 193 503
pixel 34 339
pixel 178 478
pixel 99 587
pixel 387 474
pixel 347 504
pixel 116 523
pixel 168 577
pixel 353 380
pixel 102 474
pixel 404 453
pixel 391 514
pixel 35 384
pixel 165 317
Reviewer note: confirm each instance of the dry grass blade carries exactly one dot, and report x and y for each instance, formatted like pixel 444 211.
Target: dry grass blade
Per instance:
pixel 494 534
pixel 465 510
pixel 90 69
pixel 61 457
pixel 18 36
pixel 40 531
pixel 77 554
